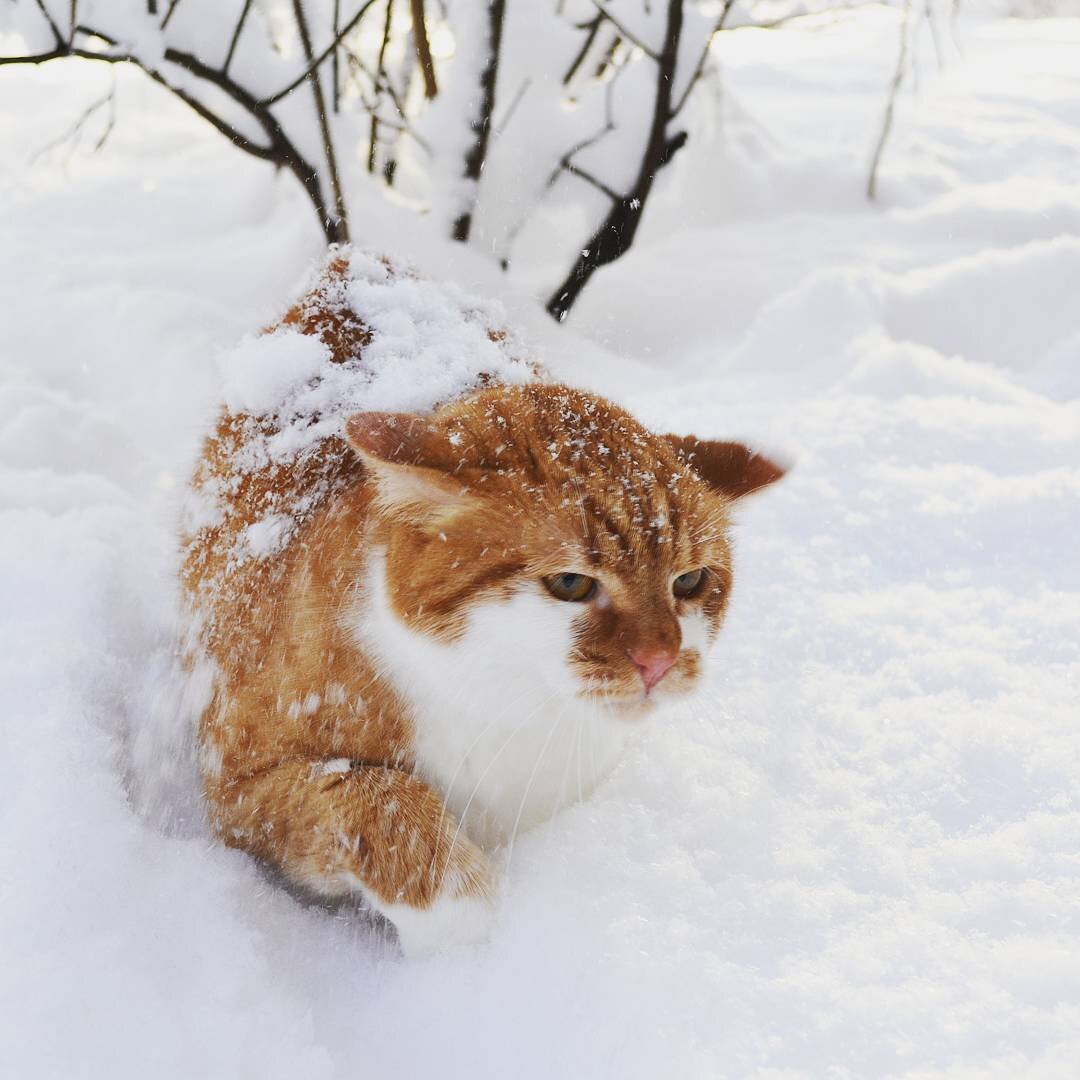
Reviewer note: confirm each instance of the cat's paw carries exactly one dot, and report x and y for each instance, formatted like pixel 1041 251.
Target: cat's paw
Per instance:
pixel 447 922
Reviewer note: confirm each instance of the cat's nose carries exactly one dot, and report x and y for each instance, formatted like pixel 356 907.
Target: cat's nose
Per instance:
pixel 653 664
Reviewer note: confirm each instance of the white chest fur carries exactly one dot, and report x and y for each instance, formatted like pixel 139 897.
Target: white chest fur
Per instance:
pixel 499 730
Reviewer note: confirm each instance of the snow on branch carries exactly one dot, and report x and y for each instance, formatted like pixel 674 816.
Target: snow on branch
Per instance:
pixel 534 129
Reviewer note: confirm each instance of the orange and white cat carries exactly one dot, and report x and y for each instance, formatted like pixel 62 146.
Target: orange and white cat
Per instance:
pixel 453 604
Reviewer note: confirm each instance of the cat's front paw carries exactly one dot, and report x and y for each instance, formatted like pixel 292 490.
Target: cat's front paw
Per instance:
pixel 447 922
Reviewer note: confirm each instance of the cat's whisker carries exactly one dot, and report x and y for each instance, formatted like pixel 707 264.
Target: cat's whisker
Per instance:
pixel 577 744
pixel 483 776
pixel 528 789
pixel 449 789
pixel 561 799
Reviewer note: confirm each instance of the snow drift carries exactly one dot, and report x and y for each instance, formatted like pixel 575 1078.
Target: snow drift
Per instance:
pixel 856 856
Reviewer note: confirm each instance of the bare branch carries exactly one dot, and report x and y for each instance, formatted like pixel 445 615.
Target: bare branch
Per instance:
pixel 578 171
pixel 237 30
pixel 629 35
pixel 699 67
pixel 380 80
pixel 52 25
pixel 169 14
pixel 592 26
pixel 338 224
pixel 894 90
pixel 37 58
pixel 615 234
pixel 481 125
pixel 75 129
pixel 315 63
pixel 423 49
pixel 500 127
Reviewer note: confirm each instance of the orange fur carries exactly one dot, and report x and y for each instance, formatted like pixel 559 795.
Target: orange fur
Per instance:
pixel 308 748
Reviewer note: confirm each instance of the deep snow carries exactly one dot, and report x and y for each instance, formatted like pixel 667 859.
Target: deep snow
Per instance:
pixel 858 856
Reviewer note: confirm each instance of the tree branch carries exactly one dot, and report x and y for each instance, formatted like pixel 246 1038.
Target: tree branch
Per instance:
pixel 894 90
pixel 237 30
pixel 423 49
pixel 317 61
pixel 336 225
pixel 592 26
pixel 615 235
pixel 278 148
pixel 380 79
pixel 699 67
pixel 481 125
pixel 629 35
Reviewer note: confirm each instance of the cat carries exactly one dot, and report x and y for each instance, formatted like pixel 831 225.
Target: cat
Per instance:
pixel 417 621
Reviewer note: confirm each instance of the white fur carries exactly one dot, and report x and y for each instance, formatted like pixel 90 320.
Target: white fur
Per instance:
pixel 449 921
pixel 696 632
pixel 500 729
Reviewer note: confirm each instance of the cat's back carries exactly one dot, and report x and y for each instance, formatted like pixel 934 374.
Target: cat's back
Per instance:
pixel 365 335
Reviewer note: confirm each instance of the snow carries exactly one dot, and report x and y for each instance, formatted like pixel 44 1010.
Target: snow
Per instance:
pixel 855 856
pixel 262 372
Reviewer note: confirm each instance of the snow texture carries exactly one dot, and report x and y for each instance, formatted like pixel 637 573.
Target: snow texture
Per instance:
pixel 428 342
pixel 855 856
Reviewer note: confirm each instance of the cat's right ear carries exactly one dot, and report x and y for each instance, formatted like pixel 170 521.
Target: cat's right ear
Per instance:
pixel 728 467
pixel 411 463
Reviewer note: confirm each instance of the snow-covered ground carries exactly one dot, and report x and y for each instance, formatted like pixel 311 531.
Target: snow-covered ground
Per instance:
pixel 857 856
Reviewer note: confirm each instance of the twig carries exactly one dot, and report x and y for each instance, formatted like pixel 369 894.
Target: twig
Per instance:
pixel 699 67
pixel 52 25
pixel 380 79
pixel 423 49
pixel 578 171
pixel 500 127
pixel 629 35
pixel 237 29
pixel 481 125
pixel 615 234
pixel 169 13
pixel 894 90
pixel 76 128
pixel 592 26
pixel 36 58
pixel 315 63
pixel 339 224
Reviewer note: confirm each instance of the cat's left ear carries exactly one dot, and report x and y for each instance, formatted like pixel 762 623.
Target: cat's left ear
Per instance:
pixel 729 467
pixel 411 462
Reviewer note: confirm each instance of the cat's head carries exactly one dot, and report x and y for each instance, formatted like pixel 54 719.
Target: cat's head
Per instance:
pixel 542 527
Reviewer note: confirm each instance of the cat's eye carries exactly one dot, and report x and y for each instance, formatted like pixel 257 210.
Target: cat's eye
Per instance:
pixel 574 587
pixel 688 584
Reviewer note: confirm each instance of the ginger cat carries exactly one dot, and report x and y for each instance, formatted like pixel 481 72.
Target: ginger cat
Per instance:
pixel 416 620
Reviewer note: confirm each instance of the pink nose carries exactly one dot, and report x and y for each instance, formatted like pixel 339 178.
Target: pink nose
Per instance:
pixel 653 664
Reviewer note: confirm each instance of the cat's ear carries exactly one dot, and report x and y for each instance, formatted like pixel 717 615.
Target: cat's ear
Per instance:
pixel 729 467
pixel 411 462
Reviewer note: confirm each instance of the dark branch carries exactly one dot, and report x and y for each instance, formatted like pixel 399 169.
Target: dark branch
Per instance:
pixel 894 90
pixel 59 38
pixel 169 13
pixel 380 79
pixel 615 235
pixel 699 67
pixel 278 148
pixel 423 49
pixel 318 60
pixel 74 130
pixel 578 171
pixel 37 58
pixel 628 34
pixel 592 26
pixel 481 125
pixel 336 225
pixel 237 30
